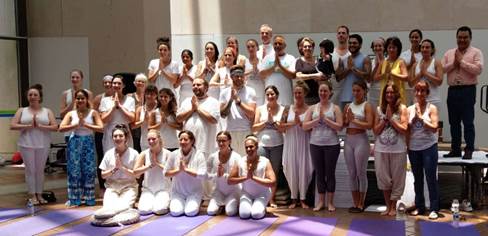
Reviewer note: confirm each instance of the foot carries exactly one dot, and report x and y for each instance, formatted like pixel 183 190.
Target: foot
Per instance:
pixel 452 154
pixel 468 155
pixel 33 200
pixel 417 212
pixel 384 213
pixel 41 200
pixel 319 206
pixel 331 208
pixel 433 215
pixel 273 205
pixel 392 212
pixel 304 205
pixel 292 206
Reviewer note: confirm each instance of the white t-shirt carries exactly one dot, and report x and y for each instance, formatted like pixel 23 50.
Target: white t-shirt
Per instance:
pixel 407 55
pixel 268 48
pixel 237 120
pixel 117 118
pixel 161 81
pixel 128 159
pixel 204 131
pixel 183 183
pixel 283 84
pixel 154 178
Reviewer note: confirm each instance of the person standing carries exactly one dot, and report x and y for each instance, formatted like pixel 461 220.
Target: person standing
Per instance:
pixel 463 65
pixel 339 56
pixel 163 71
pixel 266 48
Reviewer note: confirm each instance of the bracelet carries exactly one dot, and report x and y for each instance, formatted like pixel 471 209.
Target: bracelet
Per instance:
pixel 114 170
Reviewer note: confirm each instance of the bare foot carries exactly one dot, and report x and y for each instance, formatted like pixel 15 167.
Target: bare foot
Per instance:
pixel 392 212
pixel 331 208
pixel 384 213
pixel 319 207
pixel 304 205
pixel 292 206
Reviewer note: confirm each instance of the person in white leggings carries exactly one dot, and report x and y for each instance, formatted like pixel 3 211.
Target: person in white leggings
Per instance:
pixel 187 167
pixel 35 124
pixel 155 187
pixel 257 177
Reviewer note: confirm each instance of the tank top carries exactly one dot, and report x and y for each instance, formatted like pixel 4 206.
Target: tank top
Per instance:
pixel 346 93
pixel 169 134
pixel 322 134
pixel 250 186
pixel 395 68
pixel 154 178
pixel 359 113
pixel 420 137
pixel 434 95
pixel 75 119
pixel 34 137
pixel 390 140
pixel 270 136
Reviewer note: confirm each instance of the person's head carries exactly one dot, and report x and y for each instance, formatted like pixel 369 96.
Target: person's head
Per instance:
pixel 390 95
pixel 164 47
pixel 120 135
pixel 266 33
pixel 187 140
pixel 359 90
pixel 300 45
pixel 34 94
pixel 151 94
pixel 251 145
pixel 200 87
pixel 229 56
pixel 140 81
pixel 76 76
pixel 342 34
pixel 279 44
pixel 232 42
pixel 378 46
pixel 167 100
pixel 223 140
pixel 154 139
pixel 81 98
pixel 237 75
pixel 272 94
pixel 118 84
pixel 252 46
pixel 415 37
pixel 325 91
pixel 326 47
pixel 393 47
pixel 187 57
pixel 355 43
pixel 212 51
pixel 422 90
pixel 300 90
pixel 463 37
pixel 308 45
pixel 427 48
pixel 107 82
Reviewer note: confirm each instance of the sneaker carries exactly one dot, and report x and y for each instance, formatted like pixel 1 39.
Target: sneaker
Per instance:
pixel 452 154
pixel 433 215
pixel 466 206
pixel 468 155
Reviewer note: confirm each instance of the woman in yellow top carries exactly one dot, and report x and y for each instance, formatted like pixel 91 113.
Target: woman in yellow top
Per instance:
pixel 393 68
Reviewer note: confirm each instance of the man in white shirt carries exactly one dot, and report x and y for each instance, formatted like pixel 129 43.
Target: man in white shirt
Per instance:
pixel 266 48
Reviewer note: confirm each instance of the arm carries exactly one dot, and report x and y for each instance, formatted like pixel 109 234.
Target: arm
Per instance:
pixel 269 179
pixel 379 124
pixel 248 108
pixel 66 124
pixel 287 73
pixel 206 116
pixel 474 67
pixel 52 126
pixel 183 116
pixel 234 177
pixel 96 102
pixel 302 76
pixel 153 122
pixel 308 122
pixel 401 125
pixel 368 123
pixel 64 106
pixel 138 121
pixel 363 74
pixel 258 126
pixel 337 124
pixel 403 75
pixel 97 123
pixel 434 119
pixel 215 80
pixel 15 122
pixel 129 115
pixel 139 166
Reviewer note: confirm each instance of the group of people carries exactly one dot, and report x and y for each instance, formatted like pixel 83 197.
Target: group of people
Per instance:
pixel 281 114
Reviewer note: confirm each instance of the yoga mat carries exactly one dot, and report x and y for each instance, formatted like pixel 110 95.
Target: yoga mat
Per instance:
pixel 306 225
pixel 88 229
pixel 12 213
pixel 363 227
pixel 169 225
pixel 446 229
pixel 42 222
pixel 238 226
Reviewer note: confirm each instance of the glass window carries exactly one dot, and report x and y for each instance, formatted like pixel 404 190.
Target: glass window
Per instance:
pixel 7 18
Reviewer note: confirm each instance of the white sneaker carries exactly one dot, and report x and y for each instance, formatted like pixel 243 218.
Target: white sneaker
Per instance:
pixel 466 206
pixel 433 215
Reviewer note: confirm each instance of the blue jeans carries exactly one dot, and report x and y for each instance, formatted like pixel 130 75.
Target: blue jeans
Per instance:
pixel 460 108
pixel 425 160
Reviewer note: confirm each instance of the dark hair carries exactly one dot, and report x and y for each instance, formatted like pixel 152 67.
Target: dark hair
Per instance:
pixel 227 134
pixel 254 41
pixel 345 27
pixel 415 31
pixel 384 103
pixel 151 88
pixel 85 93
pixel 423 84
pixel 189 133
pixel 119 77
pixel 172 105
pixel 361 83
pixel 431 45
pixel 188 52
pixel 272 87
pixel 123 128
pixel 77 71
pixel 37 87
pixel 396 42
pixel 163 41
pixel 236 67
pixel 465 28
pixel 328 45
pixel 357 37
pixel 303 85
pixel 216 49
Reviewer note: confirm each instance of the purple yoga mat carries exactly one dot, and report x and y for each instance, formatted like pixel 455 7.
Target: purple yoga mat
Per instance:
pixel 306 225
pixel 12 213
pixel 88 229
pixel 169 225
pixel 446 229
pixel 238 226
pixel 363 227
pixel 42 222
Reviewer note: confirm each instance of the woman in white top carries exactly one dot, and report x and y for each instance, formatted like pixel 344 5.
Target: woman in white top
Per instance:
pixel 390 149
pixel 155 187
pixel 82 165
pixel 231 42
pixel 68 95
pixel 118 171
pixel 206 68
pixel 35 124
pixel 164 119
pixel 187 168
pixel 117 109
pixel 252 72
pixel 297 163
pixel 423 123
pixel 358 118
pixel 430 70
pixel 257 178
pixel 324 119
pixel 221 78
pixel 187 73
pixel 413 55
pixel 220 164
pixel 269 131
pixel 163 72
pixel 144 113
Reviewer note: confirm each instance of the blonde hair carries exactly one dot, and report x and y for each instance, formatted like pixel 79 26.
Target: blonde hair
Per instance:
pixel 141 76
pixel 158 134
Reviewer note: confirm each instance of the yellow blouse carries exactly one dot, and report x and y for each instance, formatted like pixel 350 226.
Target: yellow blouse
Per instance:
pixel 387 68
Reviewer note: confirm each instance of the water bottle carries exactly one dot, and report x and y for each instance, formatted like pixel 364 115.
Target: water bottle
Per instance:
pixel 455 213
pixel 30 207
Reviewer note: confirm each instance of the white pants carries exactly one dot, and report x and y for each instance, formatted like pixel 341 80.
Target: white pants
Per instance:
pixel 34 161
pixel 119 199
pixel 190 206
pixel 157 203
pixel 255 208
pixel 218 199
